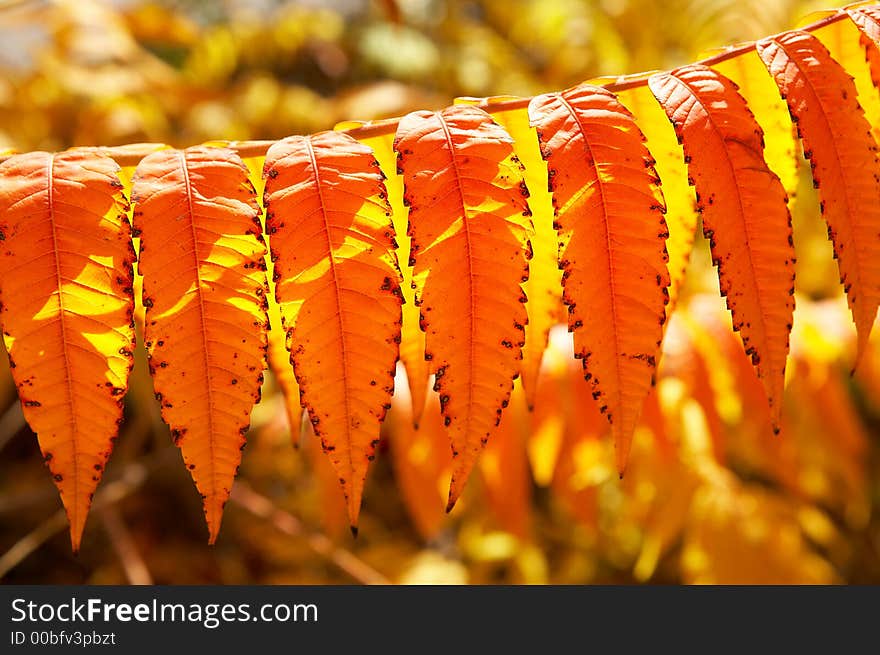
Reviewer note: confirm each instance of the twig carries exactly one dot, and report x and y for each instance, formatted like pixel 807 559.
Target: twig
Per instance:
pixel 130 155
pixel 31 541
pixel 132 478
pixel 132 432
pixel 136 570
pixel 259 505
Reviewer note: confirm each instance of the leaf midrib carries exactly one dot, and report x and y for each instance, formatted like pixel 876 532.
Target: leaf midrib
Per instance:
pixel 336 292
pixel 204 331
pixel 465 219
pixel 608 250
pixel 50 187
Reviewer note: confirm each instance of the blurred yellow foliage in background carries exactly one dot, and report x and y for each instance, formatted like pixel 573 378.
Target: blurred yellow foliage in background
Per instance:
pixel 710 496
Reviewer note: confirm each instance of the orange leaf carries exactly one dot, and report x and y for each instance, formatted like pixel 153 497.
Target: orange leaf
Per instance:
pixel 745 216
pixel 338 286
pixel 837 140
pixel 469 223
pixel 67 307
pixel 612 246
pixel 781 148
pixel 204 292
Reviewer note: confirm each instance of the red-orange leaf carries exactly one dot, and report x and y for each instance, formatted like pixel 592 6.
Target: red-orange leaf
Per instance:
pixel 745 215
pixel 338 286
pixel 609 214
pixel 204 293
pixel 469 223
pixel 837 140
pixel 66 305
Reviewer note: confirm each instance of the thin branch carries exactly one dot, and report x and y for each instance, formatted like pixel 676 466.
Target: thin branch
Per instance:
pixel 31 541
pixel 285 522
pixel 134 432
pixel 130 155
pixel 132 478
pixel 133 564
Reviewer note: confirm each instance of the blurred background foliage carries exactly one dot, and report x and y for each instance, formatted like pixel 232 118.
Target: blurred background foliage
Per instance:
pixel 710 495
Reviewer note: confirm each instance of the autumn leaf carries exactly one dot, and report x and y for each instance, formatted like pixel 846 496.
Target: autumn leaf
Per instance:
pixel 781 148
pixel 338 287
pixel 843 156
pixel 440 242
pixel 604 187
pixel 201 256
pixel 745 216
pixel 67 307
pixel 469 223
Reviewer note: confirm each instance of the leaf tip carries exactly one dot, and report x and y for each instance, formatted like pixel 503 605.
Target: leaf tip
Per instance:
pixel 75 538
pixel 214 516
pixel 76 519
pixel 622 445
pixel 862 338
pixel 460 475
pixel 213 532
